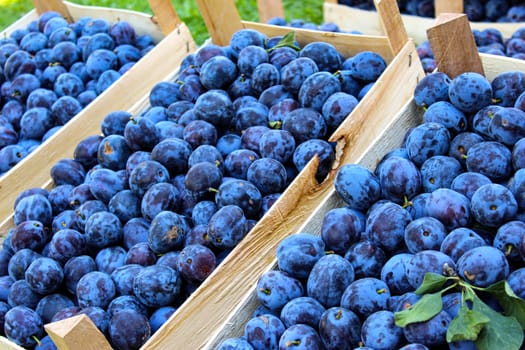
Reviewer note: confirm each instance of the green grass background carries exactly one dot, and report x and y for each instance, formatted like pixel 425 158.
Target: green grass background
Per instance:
pixel 308 10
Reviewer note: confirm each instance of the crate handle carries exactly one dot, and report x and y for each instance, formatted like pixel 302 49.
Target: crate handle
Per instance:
pixel 221 18
pixel 392 23
pixel 165 15
pixel 269 9
pixel 448 6
pixel 59 6
pixel 453 45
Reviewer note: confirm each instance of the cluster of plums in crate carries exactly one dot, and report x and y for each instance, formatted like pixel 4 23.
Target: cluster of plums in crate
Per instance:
pixel 501 11
pixel 51 69
pixel 143 212
pixel 427 250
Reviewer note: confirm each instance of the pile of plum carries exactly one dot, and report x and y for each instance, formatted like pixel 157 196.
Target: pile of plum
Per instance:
pixel 489 41
pixel 52 69
pixel 476 10
pixel 428 250
pixel 145 211
pixel 304 24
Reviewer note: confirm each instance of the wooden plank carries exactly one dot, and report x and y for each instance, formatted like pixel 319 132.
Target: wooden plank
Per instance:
pixel 492 65
pixel 221 18
pixel 164 15
pixel 77 332
pixel 257 251
pixel 392 23
pixel 129 89
pixel 269 9
pixel 450 6
pixel 59 6
pixel 453 45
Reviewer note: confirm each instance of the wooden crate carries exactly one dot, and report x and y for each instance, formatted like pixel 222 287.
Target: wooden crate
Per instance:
pixel 384 134
pixel 368 22
pixel 128 93
pixel 222 303
pixel 206 314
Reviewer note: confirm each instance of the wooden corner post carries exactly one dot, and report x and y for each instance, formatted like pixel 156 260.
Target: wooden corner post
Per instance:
pixel 42 6
pixel 221 18
pixel 453 44
pixel 269 9
pixel 165 15
pixel 393 26
pixel 77 332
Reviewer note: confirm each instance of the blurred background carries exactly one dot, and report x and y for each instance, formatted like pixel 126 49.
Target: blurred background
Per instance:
pixel 307 10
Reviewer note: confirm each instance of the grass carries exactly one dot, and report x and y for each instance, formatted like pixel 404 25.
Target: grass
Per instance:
pixel 308 10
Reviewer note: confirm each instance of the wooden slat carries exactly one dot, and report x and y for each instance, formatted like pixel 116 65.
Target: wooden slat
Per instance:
pixel 392 23
pixel 492 65
pixel 453 45
pixel 6 344
pixel 164 15
pixel 77 332
pixel 269 9
pixel 130 88
pixel 42 6
pixel 221 18
pixel 450 6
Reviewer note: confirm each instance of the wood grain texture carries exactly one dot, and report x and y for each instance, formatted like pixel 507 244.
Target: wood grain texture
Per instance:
pixel 77 332
pixel 392 23
pixel 453 45
pixel 34 170
pixel 450 6
pixel 368 22
pixel 59 6
pixel 269 9
pixel 221 18
pixel 164 15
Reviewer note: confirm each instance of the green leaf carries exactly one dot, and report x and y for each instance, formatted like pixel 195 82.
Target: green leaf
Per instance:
pixel 432 282
pixel 501 332
pixel 509 301
pixel 466 325
pixel 288 40
pixel 426 308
